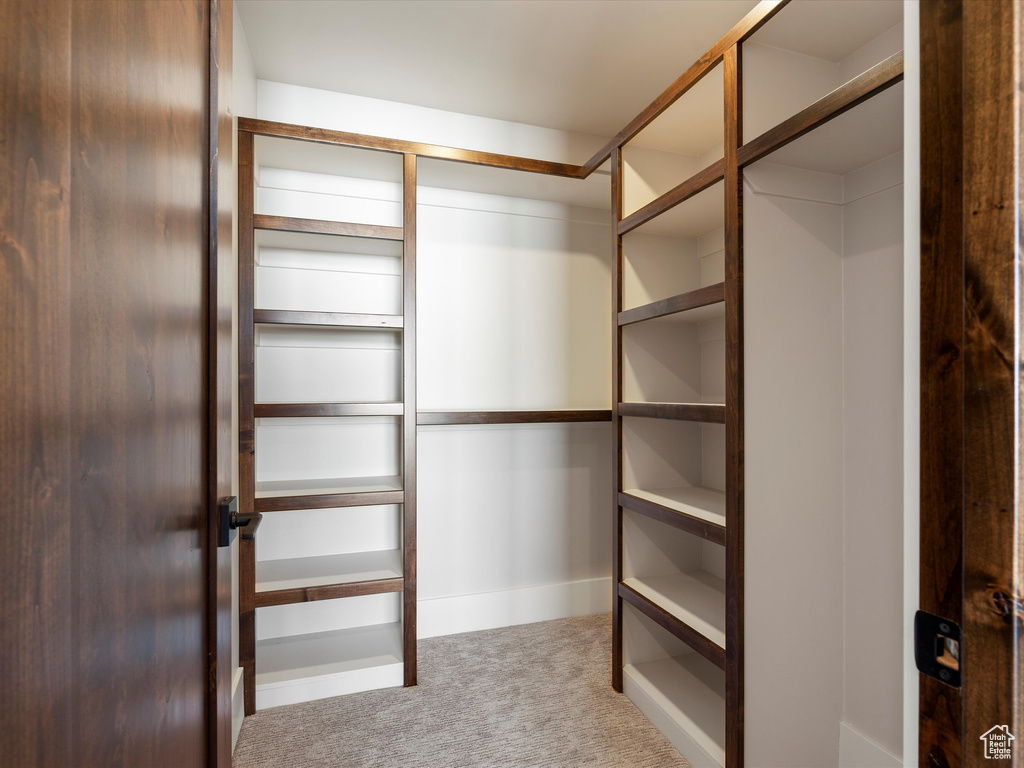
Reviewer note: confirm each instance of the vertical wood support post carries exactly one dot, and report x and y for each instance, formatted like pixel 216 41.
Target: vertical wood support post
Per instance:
pixel 409 418
pixel 733 76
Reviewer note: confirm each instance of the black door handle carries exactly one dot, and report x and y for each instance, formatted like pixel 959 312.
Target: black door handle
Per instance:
pixel 231 520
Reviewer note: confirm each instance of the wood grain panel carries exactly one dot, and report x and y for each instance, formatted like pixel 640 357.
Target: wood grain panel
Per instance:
pixel 221 372
pixel 993 575
pixel 139 314
pixel 327 592
pixel 883 75
pixel 747 26
pixel 36 696
pixel 682 521
pixel 344 319
pixel 678 194
pixel 942 345
pixel 680 629
pixel 325 136
pixel 246 417
pixel 702 412
pixel 425 418
pixel 702 297
pixel 322 227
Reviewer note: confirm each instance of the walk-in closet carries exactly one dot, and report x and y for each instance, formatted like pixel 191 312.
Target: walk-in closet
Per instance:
pixel 492 374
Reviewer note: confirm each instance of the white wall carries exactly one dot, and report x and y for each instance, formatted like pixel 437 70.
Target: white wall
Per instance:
pixel 824 421
pixel 243 103
pixel 513 300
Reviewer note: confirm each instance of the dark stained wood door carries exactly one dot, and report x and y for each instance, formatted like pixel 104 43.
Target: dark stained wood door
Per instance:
pixel 971 294
pixel 104 559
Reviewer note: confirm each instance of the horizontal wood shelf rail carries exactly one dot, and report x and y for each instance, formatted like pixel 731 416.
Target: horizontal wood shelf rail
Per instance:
pixel 747 26
pixel 342 319
pixel 443 418
pixel 328 592
pixel 702 297
pixel 679 628
pixel 883 75
pixel 684 522
pixel 343 138
pixel 323 227
pixel 313 410
pixel 706 413
pixel 327 500
pixel 694 185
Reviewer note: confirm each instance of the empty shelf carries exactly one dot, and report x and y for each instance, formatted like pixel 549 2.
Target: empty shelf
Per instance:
pixel 696 598
pixel 694 500
pixel 708 413
pixel 328 569
pixel 684 302
pixel 316 410
pixel 318 487
pixel 324 227
pixel 339 319
pixel 684 697
pixel 322 664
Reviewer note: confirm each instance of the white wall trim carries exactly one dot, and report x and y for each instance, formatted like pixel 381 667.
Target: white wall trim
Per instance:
pixel 237 705
pixel 490 610
pixel 858 751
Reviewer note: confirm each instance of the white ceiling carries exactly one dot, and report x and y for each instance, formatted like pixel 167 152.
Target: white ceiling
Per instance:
pixel 577 65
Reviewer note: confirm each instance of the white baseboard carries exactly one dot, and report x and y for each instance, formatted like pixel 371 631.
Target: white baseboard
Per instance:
pixel 858 751
pixel 489 610
pixel 237 705
pixel 325 686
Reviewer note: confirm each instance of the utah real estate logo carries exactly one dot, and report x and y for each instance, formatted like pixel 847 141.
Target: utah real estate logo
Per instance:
pixel 997 742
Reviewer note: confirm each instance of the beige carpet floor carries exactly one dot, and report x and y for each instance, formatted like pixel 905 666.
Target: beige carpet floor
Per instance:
pixel 526 696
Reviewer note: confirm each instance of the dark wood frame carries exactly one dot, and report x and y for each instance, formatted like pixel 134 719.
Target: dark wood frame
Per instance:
pixel 970 570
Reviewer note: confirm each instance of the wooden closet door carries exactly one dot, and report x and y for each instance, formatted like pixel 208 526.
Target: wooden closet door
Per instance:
pixel 104 273
pixel 139 139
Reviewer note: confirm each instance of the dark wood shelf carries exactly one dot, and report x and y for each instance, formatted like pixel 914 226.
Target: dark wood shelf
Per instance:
pixel 323 227
pixel 338 319
pixel 709 650
pixel 328 500
pixel 442 418
pixel 701 297
pixel 881 76
pixel 328 592
pixel 434 418
pixel 707 413
pixel 313 410
pixel 684 522
pixel 695 184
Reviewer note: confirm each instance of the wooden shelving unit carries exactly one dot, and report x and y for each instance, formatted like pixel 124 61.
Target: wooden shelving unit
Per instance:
pixel 691 600
pixel 306 665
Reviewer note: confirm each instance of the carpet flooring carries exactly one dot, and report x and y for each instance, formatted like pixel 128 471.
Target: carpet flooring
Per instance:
pixel 526 696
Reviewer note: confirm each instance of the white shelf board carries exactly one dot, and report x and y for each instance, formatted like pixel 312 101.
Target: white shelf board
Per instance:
pixel 695 217
pixel 315 666
pixel 695 597
pixel 317 571
pixel 867 133
pixel 694 500
pixel 312 487
pixel 684 697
